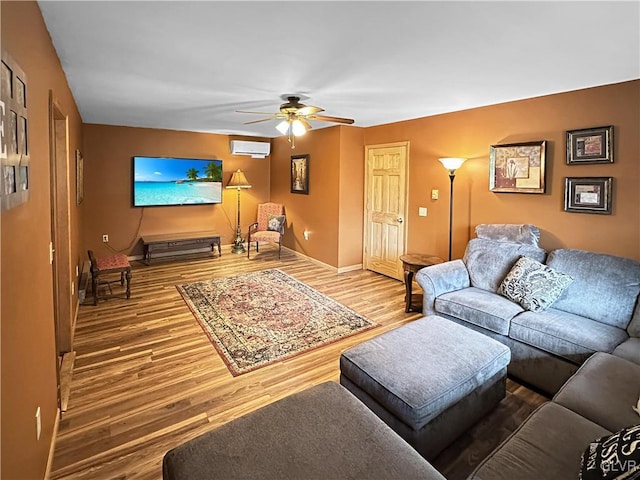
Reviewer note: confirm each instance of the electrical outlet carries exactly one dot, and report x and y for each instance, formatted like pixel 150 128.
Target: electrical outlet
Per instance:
pixel 38 424
pixel 105 238
pixel 422 211
pixel 73 288
pixel 306 234
pixel 434 194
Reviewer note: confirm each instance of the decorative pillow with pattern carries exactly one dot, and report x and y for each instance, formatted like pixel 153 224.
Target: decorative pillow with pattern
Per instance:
pixel 275 222
pixel 614 457
pixel 533 285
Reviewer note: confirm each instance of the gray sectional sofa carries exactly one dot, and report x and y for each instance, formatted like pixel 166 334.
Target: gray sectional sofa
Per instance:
pixel 326 432
pixel 594 403
pixel 598 312
pixel 581 345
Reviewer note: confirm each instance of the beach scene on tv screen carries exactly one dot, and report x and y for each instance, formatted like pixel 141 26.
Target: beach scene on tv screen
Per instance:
pixel 176 181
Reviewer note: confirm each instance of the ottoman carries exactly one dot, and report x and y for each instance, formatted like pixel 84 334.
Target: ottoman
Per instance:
pixel 322 433
pixel 429 380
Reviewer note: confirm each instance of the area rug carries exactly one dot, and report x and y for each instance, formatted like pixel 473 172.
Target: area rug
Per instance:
pixel 258 318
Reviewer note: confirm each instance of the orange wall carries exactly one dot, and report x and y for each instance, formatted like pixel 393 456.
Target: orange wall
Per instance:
pixel 351 216
pixel 316 212
pixel 470 133
pixel 108 153
pixel 27 328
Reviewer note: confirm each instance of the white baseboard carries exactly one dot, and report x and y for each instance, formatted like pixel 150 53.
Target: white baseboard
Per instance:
pixel 52 447
pixel 325 265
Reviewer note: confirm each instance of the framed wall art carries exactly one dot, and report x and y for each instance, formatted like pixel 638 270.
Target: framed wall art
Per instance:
pixel 300 174
pixel 79 177
pixel 518 167
pixel 591 145
pixel 14 139
pixel 588 194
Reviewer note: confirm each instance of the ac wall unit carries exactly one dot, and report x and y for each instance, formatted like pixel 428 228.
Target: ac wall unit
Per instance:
pixel 255 149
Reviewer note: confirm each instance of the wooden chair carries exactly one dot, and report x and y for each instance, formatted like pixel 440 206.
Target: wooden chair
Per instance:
pixel 103 266
pixel 268 228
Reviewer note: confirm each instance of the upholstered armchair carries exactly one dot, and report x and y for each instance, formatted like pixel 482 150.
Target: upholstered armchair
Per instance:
pixel 268 228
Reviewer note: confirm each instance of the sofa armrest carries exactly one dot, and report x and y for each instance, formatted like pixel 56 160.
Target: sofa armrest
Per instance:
pixel 441 278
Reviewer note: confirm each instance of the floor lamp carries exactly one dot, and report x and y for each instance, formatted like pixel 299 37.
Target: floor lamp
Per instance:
pixel 238 181
pixel 451 164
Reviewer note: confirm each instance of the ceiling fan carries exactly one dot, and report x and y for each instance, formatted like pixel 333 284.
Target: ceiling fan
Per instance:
pixel 295 116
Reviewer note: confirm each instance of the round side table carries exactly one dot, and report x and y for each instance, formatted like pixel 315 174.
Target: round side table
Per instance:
pixel 411 263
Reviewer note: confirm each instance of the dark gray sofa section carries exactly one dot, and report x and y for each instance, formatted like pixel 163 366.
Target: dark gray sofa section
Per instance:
pixel 596 401
pixel 323 432
pixel 598 312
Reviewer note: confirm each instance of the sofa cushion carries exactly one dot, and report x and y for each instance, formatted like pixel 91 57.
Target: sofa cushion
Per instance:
pixel 569 336
pixel 479 307
pixel 613 457
pixel 319 433
pixel 629 350
pixel 614 281
pixel 533 285
pixel 604 389
pixel 547 445
pixel 509 232
pixel 489 261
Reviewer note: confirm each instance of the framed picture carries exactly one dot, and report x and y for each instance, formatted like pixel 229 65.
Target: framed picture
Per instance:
pixel 79 177
pixel 518 167
pixel 588 194
pixel 14 135
pixel 591 145
pixel 300 174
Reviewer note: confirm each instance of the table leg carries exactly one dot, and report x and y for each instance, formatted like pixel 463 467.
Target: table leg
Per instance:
pixel 408 285
pixel 128 277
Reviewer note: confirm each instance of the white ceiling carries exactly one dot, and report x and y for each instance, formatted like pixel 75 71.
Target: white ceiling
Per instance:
pixel 189 65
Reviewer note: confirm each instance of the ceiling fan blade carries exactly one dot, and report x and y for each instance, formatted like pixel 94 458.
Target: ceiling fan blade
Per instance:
pixel 303 121
pixel 309 110
pixel 261 120
pixel 256 113
pixel 325 118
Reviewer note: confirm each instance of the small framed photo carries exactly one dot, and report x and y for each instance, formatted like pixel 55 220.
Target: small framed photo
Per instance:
pixel 300 174
pixel 518 167
pixel 591 145
pixel 588 194
pixel 79 177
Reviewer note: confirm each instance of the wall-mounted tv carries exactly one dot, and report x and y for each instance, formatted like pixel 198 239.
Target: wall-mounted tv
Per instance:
pixel 176 181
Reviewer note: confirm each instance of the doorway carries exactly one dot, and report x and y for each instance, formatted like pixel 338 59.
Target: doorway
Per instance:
pixel 385 208
pixel 60 257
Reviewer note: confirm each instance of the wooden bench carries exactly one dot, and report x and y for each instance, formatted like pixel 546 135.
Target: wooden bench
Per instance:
pixel 176 242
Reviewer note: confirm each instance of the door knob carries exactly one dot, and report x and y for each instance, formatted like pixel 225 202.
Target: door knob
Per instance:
pixel 400 220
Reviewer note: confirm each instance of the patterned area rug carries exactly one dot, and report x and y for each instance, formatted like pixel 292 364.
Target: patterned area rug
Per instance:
pixel 258 318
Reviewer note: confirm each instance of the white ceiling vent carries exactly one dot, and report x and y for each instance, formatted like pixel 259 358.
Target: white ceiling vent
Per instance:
pixel 255 149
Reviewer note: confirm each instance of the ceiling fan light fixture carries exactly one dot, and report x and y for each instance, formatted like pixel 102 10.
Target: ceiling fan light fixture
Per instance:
pixel 283 127
pixel 297 128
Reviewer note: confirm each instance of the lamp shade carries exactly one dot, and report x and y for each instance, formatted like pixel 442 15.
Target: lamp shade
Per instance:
pixel 238 180
pixel 297 128
pixel 283 127
pixel 452 163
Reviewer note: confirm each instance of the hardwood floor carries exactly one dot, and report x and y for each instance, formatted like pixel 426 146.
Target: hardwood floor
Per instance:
pixel 146 378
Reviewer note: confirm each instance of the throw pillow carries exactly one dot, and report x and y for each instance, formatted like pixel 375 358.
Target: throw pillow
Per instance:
pixel 275 222
pixel 533 285
pixel 613 457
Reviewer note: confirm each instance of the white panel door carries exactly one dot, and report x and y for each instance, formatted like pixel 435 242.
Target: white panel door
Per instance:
pixel 385 208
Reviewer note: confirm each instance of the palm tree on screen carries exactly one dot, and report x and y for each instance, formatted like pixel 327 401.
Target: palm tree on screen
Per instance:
pixel 192 174
pixel 213 172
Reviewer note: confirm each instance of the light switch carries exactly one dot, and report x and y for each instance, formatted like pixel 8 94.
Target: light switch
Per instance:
pixel 422 211
pixel 434 194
